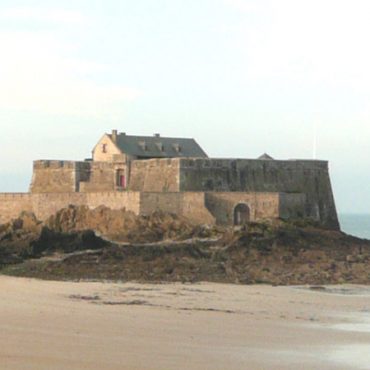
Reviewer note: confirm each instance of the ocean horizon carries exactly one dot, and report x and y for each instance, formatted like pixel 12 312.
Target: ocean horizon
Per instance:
pixel 355 224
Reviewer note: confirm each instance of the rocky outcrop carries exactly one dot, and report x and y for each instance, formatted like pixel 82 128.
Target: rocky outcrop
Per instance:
pixel 16 238
pixel 79 228
pixel 26 237
pixel 274 255
pixel 163 247
pixel 125 226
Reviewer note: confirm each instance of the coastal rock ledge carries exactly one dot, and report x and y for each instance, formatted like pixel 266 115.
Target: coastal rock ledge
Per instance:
pixel 79 243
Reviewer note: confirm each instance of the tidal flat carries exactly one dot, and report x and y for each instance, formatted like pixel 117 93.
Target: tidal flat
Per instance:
pixel 105 325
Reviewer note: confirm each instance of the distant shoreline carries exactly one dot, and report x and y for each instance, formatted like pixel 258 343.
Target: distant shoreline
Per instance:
pixel 355 224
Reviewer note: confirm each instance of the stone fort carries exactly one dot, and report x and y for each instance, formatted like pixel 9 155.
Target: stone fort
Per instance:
pixel 147 173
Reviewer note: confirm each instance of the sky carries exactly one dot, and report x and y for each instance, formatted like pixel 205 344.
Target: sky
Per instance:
pixel 243 77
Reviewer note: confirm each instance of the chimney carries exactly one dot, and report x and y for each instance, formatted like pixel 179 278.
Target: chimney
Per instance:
pixel 157 135
pixel 114 136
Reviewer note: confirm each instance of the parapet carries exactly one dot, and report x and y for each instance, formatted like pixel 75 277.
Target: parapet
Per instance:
pixel 240 162
pixel 54 164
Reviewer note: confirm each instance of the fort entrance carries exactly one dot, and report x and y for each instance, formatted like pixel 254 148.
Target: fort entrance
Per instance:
pixel 241 214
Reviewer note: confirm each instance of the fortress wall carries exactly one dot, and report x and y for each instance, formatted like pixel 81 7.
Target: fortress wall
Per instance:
pixel 71 176
pixel 53 176
pixel 129 200
pixel 155 175
pixel 101 178
pixel 43 205
pixel 200 207
pixel 169 202
pixel 46 204
pixel 245 175
pixel 292 206
pixel 190 205
pixel 194 207
pixel 12 204
pixel 262 205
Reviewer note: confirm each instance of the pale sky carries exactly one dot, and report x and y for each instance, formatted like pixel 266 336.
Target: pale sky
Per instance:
pixel 243 77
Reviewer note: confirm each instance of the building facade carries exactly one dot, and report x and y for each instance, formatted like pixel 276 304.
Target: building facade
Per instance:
pixel 145 174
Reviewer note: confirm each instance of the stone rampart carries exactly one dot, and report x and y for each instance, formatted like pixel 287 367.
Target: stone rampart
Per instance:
pixel 46 204
pixel 12 204
pixel 292 206
pixel 75 176
pixel 155 175
pixel 200 207
pixel 130 200
pixel 190 205
pixel 246 175
pixel 191 175
pixel 43 205
pixel 101 178
pixel 50 176
pixel 262 206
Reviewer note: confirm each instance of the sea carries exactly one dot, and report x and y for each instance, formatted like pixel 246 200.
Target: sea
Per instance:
pixel 355 224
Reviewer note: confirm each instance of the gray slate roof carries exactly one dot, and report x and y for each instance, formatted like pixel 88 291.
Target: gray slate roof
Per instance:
pixel 159 147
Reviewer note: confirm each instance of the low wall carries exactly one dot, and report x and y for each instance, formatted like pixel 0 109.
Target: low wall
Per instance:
pixel 43 205
pixel 262 205
pixel 12 204
pixel 130 200
pixel 200 207
pixel 46 204
pixel 190 205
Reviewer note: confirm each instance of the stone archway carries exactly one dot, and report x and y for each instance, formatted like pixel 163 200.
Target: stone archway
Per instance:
pixel 241 214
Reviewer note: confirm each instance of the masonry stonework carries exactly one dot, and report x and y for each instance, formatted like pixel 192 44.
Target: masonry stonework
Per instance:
pixel 12 204
pixel 144 174
pixel 200 207
pixel 310 178
pixel 43 205
pixel 105 150
pixel 158 175
pixel 190 205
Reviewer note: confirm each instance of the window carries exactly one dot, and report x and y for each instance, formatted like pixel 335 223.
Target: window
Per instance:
pixel 160 147
pixel 143 146
pixel 104 148
pixel 121 179
pixel 177 148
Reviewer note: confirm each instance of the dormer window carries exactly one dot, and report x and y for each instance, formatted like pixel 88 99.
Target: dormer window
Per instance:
pixel 104 148
pixel 177 148
pixel 160 147
pixel 143 145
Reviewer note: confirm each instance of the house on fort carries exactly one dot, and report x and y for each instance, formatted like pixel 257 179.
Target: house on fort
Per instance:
pixel 148 173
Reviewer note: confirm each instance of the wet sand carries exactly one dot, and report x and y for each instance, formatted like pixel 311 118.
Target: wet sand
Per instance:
pixel 87 325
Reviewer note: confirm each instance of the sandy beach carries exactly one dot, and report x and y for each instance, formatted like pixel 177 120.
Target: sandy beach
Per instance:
pixel 93 325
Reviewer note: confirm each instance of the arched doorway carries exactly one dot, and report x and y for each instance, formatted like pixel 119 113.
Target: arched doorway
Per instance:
pixel 241 214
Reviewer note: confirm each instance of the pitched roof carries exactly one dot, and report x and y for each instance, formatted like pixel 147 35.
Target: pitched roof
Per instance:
pixel 158 147
pixel 265 157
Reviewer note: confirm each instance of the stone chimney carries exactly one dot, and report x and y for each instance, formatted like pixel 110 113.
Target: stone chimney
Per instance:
pixel 157 135
pixel 114 136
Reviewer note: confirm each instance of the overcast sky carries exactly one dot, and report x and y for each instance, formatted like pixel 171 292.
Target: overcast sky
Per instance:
pixel 243 77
